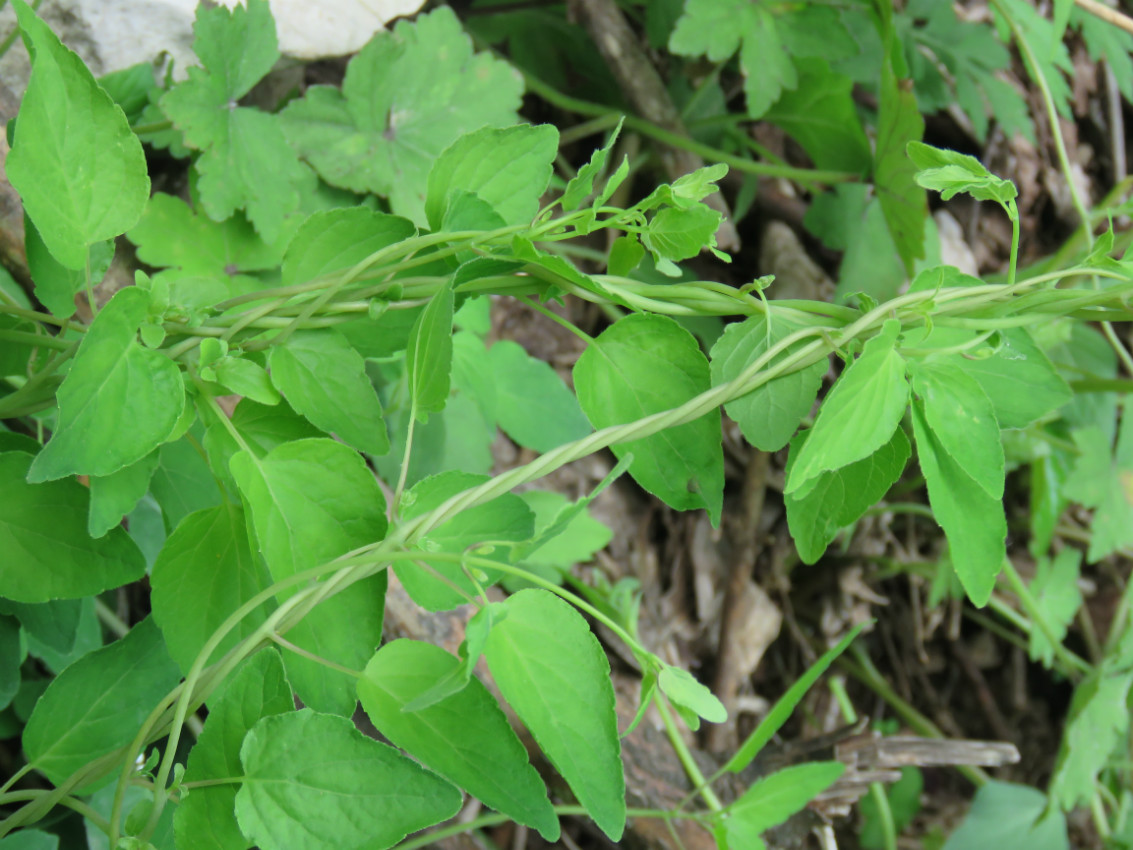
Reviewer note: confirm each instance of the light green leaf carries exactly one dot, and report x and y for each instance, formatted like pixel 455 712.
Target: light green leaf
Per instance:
pixel 1099 722
pixel 821 116
pixel 508 169
pixel 205 572
pixel 245 378
pixel 573 535
pixel 465 738
pixel 680 687
pixel 951 173
pixel 840 497
pixel 115 495
pixel 1056 593
pixel 1104 482
pixel 182 482
pixel 325 380
pixel 678 234
pixel 262 429
pixel 314 782
pixel 1010 817
pixel 1019 379
pixel 171 234
pixel 963 419
pixel 771 413
pixel 246 162
pixel 502 520
pixel 581 186
pixel 644 364
pixel 78 167
pixel 205 819
pixel 98 703
pixel 408 95
pixel 428 357
pixel 533 405
pixel 973 521
pixel 55 284
pixel 334 241
pixel 113 380
pixel 554 673
pixel 860 414
pixel 48 553
pixel 312 501
pixel 770 801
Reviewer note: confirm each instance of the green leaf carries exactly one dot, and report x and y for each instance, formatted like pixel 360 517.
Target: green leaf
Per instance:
pixel 680 687
pixel 261 427
pixel 581 186
pixel 13 651
pixel 963 419
pixel 428 357
pixel 821 116
pixel 1019 379
pixel 973 521
pixel 894 174
pixel 840 497
pixel 573 536
pixel 55 284
pixel 334 241
pixel 408 95
pixel 645 364
pixel 53 624
pixel 533 405
pixel 1010 817
pixel 465 738
pixel 205 818
pixel 785 706
pixel 245 378
pixel 1104 482
pixel 1056 593
pixel 78 167
pixel 113 380
pixel 115 495
pixel 314 782
pixel 48 553
pixel 502 520
pixel 171 234
pixel 245 162
pixel 860 413
pixel 771 413
pixel 182 482
pixel 98 703
pixel 772 800
pixel 1099 721
pixel 951 173
pixel 554 673
pixel 30 839
pixel 325 380
pixel 508 169
pixel 675 234
pixel 205 572
pixel 312 501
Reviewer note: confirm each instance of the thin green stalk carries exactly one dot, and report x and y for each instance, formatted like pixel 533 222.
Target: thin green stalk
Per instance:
pixel 692 770
pixel 876 790
pixel 310 656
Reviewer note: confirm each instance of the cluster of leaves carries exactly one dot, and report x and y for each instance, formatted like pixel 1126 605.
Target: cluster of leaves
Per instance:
pixel 333 271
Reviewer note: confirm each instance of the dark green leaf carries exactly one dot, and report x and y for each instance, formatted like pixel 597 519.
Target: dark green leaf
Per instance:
pixel 840 497
pixel 314 782
pixel 113 380
pixel 554 673
pixel 644 364
pixel 78 167
pixel 465 738
pixel 54 624
pixel 48 553
pixel 97 704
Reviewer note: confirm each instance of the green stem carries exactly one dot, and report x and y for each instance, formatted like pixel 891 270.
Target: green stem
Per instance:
pixel 692 770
